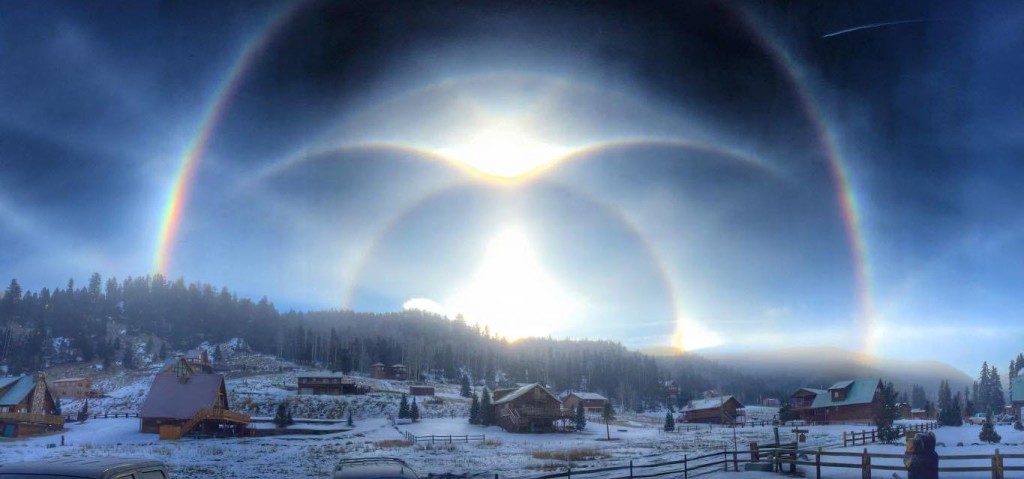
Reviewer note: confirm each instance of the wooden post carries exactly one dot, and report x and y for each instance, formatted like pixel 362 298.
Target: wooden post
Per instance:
pixel 725 459
pixel 997 466
pixel 865 465
pixel 817 464
pixel 735 461
pixel 686 467
pixel 844 438
pixel 754 453
pixel 568 473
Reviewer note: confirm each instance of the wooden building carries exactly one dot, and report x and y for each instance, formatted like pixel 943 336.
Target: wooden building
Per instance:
pixel 530 408
pixel 771 402
pixel 328 383
pixel 1017 396
pixel 593 403
pixel 71 388
pixel 27 407
pixel 421 390
pixel 182 400
pixel 712 410
pixel 396 371
pixel 853 401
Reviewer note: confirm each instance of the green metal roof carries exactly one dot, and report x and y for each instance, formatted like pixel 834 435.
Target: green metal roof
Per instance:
pixel 841 385
pixel 1017 388
pixel 861 391
pixel 18 392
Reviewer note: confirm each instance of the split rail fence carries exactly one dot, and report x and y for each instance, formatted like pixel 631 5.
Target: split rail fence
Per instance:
pixel 852 438
pixel 443 439
pixel 785 459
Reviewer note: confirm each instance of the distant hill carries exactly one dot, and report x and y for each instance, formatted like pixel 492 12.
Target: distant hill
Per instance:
pixel 822 366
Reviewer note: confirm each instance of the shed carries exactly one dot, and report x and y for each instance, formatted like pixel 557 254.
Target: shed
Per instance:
pixel 714 410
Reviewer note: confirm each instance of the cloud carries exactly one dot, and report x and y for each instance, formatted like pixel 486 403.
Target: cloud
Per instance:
pixel 426 305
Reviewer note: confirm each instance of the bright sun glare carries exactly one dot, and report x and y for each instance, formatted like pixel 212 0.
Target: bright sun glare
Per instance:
pixel 511 292
pixel 504 152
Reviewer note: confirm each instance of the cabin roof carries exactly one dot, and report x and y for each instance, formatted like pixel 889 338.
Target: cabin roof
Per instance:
pixel 862 391
pixel 22 387
pixel 1017 388
pixel 512 396
pixel 841 385
pixel 709 403
pixel 170 398
pixel 588 396
pixel 320 374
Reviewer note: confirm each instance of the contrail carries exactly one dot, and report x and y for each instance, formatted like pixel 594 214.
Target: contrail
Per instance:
pixel 876 25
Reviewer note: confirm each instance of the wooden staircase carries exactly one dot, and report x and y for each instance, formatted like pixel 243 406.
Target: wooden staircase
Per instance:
pixel 209 414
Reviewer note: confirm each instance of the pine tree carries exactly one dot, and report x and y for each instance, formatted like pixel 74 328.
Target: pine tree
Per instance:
pixel 955 415
pixel 403 408
pixel 997 402
pixel 349 421
pixel 608 413
pixel 474 411
pixel 466 391
pixel 281 417
pixel 945 395
pixel 887 414
pixel 486 410
pixel 988 431
pixel 83 414
pixel 670 422
pixel 414 411
pixel 581 417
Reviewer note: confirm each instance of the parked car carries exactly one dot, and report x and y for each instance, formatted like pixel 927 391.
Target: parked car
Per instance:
pixel 86 468
pixel 977 419
pixel 373 468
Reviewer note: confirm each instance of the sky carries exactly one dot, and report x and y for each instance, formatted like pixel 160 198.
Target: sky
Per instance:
pixel 714 176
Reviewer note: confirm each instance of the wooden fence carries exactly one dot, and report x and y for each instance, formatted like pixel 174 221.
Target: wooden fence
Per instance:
pixel 686 427
pixel 695 466
pixel 779 458
pixel 443 439
pixel 852 438
pixel 102 415
pixel 867 462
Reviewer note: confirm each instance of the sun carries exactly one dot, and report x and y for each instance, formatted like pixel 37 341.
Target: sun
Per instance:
pixel 504 152
pixel 512 294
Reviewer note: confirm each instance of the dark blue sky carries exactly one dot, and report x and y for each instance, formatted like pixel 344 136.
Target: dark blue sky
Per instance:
pixel 698 199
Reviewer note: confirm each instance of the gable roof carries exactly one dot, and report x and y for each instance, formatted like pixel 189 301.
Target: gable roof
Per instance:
pixel 170 398
pixel 588 396
pixel 709 403
pixel 523 390
pixel 22 387
pixel 841 385
pixel 862 391
pixel 4 382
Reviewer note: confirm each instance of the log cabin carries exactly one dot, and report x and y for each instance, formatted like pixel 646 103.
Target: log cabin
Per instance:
pixel 530 408
pixel 27 407
pixel 851 401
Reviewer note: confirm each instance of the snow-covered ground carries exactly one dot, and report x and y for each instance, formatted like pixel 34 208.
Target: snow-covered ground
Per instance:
pixel 257 383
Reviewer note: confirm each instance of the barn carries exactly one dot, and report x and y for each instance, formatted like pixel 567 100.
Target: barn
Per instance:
pixel 850 401
pixel 712 410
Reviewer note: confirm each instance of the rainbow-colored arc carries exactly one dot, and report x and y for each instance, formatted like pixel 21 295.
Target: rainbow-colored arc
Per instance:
pixel 844 190
pixel 177 198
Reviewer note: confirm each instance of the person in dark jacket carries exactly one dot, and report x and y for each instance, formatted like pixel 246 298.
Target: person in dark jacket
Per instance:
pixel 921 459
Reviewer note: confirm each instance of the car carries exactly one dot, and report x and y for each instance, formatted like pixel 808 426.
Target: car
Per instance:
pixel 86 468
pixel 977 419
pixel 374 468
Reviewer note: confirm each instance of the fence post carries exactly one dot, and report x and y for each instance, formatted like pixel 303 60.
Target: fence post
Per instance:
pixel 735 461
pixel 865 465
pixel 686 467
pixel 568 473
pixel 725 459
pixel 754 456
pixel 844 438
pixel 817 464
pixel 997 466
pixel 631 469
